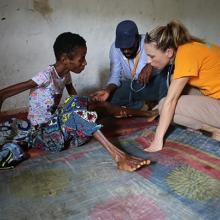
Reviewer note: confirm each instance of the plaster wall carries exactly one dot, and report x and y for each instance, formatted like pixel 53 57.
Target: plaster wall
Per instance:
pixel 28 29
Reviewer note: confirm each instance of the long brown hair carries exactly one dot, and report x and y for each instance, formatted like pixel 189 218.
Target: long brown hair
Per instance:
pixel 172 35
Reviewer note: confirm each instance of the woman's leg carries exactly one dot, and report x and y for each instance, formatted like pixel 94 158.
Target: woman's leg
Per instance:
pixel 81 123
pixel 203 109
pixel 198 112
pixel 124 161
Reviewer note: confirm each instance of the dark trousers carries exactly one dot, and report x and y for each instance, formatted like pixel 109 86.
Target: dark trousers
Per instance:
pixel 133 95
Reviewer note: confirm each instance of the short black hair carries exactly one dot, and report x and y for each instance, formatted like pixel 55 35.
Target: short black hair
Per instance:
pixel 67 42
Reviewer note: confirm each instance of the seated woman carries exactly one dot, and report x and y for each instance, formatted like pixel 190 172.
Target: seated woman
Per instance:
pixel 196 64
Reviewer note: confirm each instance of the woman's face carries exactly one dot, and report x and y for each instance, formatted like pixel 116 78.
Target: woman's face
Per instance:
pixel 156 57
pixel 78 62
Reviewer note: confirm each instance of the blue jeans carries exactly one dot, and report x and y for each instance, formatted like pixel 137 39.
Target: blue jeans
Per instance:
pixel 134 96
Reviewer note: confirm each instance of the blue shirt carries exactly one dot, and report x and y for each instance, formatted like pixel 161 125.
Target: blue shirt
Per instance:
pixel 119 66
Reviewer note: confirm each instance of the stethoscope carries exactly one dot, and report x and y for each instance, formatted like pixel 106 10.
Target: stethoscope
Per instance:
pixel 133 71
pixel 135 90
pixel 168 79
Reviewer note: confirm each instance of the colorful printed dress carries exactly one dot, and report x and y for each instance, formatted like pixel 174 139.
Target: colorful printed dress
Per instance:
pixel 72 123
pixel 52 128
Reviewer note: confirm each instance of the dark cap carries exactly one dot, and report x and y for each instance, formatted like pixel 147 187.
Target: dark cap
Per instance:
pixel 126 33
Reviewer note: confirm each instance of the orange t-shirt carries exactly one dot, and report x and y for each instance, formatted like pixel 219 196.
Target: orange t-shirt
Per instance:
pixel 201 63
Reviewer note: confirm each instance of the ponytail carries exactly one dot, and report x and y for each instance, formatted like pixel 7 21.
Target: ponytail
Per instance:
pixel 172 35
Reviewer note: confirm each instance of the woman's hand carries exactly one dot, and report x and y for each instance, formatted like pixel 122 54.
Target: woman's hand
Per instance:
pixel 156 145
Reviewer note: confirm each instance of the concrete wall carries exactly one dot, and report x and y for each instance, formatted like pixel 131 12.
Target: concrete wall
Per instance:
pixel 28 29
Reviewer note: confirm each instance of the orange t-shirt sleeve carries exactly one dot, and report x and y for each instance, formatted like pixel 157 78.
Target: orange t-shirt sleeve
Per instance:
pixel 186 62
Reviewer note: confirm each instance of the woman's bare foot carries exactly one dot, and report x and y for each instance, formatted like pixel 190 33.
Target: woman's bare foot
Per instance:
pixel 153 149
pixel 124 161
pixel 215 132
pixel 130 163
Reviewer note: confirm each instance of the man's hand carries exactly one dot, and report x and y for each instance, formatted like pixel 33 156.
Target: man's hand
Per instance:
pixel 100 96
pixel 145 74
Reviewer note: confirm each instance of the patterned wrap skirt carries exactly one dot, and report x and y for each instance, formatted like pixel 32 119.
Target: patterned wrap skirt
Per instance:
pixel 71 124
